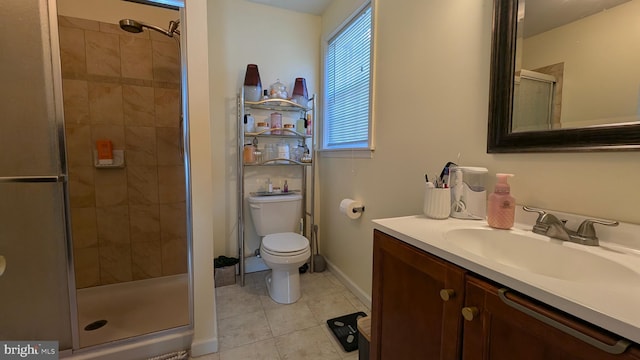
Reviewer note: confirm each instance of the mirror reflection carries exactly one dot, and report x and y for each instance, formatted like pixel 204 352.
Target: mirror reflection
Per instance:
pixel 576 64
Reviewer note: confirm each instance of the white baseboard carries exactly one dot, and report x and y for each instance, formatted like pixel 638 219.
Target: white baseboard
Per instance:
pixel 204 347
pixel 357 291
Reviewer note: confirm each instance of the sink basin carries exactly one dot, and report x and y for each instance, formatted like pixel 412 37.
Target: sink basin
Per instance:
pixel 539 255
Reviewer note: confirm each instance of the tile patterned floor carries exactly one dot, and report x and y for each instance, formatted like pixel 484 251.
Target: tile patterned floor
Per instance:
pixel 252 326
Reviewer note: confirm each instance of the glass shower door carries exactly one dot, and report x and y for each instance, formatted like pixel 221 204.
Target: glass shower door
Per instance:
pixel 34 286
pixel 35 296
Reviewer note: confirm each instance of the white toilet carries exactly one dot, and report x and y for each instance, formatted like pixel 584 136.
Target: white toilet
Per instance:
pixel 275 219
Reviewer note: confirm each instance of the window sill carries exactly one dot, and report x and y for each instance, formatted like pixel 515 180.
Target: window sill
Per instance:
pixel 347 153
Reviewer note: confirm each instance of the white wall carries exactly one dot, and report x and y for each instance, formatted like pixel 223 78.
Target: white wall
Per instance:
pixel 600 55
pixel 432 91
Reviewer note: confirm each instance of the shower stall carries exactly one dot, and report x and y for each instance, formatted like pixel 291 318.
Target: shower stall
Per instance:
pixel 93 256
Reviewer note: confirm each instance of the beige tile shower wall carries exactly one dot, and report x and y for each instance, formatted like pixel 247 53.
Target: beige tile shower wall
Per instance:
pixel 127 223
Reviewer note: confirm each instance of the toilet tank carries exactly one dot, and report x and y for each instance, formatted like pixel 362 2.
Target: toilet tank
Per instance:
pixel 277 213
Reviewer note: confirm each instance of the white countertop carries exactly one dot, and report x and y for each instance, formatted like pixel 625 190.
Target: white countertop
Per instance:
pixel 610 304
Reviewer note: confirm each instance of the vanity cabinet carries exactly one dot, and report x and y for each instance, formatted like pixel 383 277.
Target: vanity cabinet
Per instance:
pixel 424 307
pixel 409 319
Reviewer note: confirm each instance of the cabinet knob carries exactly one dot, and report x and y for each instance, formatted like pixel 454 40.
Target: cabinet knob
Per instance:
pixel 470 312
pixel 446 294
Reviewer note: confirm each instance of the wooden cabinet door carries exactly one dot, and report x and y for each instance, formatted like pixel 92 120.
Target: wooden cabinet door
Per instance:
pixel 500 332
pixel 409 319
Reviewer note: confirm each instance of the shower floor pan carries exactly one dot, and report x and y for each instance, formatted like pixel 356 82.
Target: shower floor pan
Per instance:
pixel 132 308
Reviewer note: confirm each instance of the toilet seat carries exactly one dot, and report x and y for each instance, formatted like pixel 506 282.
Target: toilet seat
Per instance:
pixel 285 244
pixel 277 254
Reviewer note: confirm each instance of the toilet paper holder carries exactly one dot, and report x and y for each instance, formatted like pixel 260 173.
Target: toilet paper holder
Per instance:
pixel 358 209
pixel 352 209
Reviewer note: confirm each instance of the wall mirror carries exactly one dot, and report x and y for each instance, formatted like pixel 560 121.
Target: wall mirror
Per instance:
pixel 564 76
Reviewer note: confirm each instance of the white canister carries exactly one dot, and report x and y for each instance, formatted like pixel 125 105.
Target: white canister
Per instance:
pixel 261 127
pixel 249 123
pixel 283 151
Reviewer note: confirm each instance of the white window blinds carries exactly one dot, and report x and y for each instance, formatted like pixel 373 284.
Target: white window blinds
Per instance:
pixel 347 92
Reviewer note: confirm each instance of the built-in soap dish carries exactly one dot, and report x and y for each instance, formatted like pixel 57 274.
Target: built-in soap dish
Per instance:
pixel 118 160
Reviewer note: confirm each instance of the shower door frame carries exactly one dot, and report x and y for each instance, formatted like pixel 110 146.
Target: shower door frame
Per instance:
pixel 52 8
pixel 56 66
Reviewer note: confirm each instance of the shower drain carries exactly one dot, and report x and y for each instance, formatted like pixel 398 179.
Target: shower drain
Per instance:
pixel 95 325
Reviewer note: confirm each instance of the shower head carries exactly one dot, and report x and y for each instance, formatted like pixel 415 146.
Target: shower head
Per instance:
pixel 131 26
pixel 134 26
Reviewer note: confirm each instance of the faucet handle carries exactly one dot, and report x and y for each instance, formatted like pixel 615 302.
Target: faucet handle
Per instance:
pixel 541 213
pixel 586 229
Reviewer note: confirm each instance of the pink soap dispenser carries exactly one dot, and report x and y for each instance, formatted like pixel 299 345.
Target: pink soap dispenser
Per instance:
pixel 501 205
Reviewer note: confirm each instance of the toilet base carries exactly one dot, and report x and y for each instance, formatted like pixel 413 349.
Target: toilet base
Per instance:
pixel 284 286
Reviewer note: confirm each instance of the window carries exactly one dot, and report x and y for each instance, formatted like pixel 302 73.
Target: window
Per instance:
pixel 347 112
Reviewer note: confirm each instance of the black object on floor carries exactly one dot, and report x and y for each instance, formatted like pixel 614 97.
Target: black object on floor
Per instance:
pixel 345 329
pixel 222 261
pixel 303 269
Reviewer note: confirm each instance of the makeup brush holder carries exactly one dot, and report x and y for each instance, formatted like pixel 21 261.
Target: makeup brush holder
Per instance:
pixel 437 203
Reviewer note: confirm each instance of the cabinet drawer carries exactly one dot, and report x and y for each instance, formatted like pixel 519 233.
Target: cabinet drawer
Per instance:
pixel 502 330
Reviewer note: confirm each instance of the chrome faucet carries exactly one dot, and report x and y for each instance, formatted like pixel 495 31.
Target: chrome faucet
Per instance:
pixel 549 225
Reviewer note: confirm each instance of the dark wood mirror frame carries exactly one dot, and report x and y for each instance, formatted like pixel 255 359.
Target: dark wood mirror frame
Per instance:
pixel 500 139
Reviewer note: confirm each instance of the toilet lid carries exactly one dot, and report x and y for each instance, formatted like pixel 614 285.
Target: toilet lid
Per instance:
pixel 285 242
